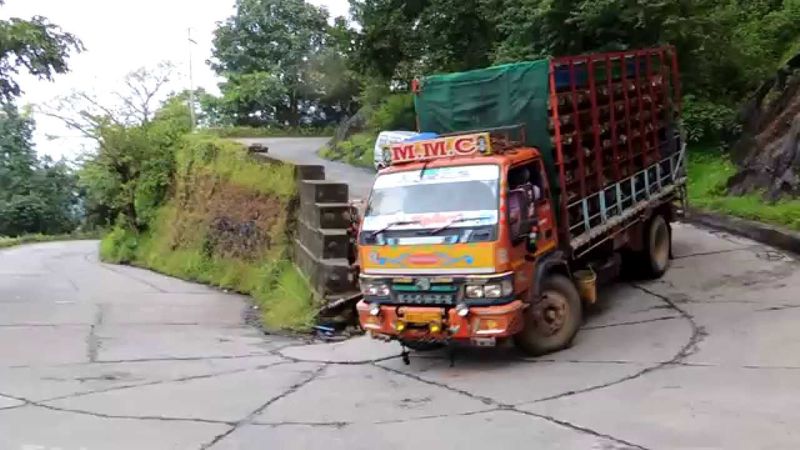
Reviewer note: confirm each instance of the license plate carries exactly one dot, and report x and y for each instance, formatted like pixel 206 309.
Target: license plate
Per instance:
pixel 423 317
pixel 484 342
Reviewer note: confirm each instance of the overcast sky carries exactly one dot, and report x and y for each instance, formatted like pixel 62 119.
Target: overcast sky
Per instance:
pixel 121 36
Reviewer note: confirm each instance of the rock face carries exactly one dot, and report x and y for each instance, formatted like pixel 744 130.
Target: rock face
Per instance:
pixel 768 153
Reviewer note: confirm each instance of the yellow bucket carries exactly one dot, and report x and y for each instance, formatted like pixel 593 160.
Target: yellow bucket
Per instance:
pixel 586 282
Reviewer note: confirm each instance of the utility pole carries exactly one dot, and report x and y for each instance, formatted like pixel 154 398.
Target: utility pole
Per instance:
pixel 191 82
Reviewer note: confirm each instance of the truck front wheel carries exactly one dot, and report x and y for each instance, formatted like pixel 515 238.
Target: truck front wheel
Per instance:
pixel 552 322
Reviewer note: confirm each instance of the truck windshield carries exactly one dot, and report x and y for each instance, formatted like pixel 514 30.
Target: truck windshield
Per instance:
pixel 436 195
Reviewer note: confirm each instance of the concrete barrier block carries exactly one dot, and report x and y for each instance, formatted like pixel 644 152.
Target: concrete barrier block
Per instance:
pixel 326 215
pixel 324 243
pixel 309 172
pixel 317 191
pixel 328 276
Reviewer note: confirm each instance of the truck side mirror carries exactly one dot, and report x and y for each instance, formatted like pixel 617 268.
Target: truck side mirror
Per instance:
pixel 518 221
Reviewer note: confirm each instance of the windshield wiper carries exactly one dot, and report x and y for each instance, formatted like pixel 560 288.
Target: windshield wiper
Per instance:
pixel 394 224
pixel 456 221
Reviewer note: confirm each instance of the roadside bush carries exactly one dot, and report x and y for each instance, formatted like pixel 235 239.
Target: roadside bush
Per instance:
pixel 706 121
pixel 395 113
pixel 357 150
pixel 709 171
pixel 119 246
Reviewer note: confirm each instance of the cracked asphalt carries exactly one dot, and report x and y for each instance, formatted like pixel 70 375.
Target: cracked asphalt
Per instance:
pixel 101 357
pixel 96 357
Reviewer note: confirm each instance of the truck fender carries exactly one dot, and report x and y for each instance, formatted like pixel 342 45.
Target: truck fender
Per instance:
pixel 554 262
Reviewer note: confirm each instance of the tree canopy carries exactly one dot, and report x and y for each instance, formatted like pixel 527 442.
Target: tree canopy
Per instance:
pixel 35 46
pixel 283 64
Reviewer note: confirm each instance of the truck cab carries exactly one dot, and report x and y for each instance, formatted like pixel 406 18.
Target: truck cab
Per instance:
pixel 449 245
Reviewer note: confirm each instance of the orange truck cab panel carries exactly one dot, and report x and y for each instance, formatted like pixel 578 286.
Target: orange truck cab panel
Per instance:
pixel 439 260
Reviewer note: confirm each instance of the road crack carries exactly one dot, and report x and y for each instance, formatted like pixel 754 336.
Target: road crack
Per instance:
pixel 499 406
pixel 158 382
pixel 93 341
pixel 635 322
pixel 249 418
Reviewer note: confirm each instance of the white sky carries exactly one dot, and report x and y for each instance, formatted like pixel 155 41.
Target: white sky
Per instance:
pixel 121 36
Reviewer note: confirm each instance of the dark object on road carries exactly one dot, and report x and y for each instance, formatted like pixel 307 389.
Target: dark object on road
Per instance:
pixel 257 148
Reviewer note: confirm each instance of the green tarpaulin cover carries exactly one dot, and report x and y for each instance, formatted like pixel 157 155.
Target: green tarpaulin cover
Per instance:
pixel 498 96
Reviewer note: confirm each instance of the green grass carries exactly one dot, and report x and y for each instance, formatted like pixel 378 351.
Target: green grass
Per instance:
pixel 710 169
pixel 6 242
pixel 356 150
pixel 178 239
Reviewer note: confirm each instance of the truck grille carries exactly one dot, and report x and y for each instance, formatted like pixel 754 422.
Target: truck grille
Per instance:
pixel 426 299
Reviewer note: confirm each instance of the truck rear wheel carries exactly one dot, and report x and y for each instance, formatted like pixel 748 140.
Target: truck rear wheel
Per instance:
pixel 658 243
pixel 553 321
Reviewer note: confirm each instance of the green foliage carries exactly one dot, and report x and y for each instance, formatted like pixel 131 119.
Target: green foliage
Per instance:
pixel 706 121
pixel 225 222
pixel 356 150
pixel 37 195
pixel 119 246
pixel 396 112
pixel 726 47
pixel 130 173
pixel 284 65
pixel 35 46
pixel 709 171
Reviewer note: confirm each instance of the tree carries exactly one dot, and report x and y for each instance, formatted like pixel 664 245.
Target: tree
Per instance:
pixel 270 40
pixel 144 90
pixel 130 173
pixel 401 39
pixel 37 46
pixel 36 195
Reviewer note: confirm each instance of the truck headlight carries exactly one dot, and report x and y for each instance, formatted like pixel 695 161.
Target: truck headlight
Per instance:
pixel 375 289
pixel 493 289
pixel 474 291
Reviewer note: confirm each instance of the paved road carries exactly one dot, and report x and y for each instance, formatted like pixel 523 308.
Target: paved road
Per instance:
pixel 100 357
pixel 304 151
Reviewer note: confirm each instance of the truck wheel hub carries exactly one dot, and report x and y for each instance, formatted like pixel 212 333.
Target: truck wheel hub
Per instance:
pixel 552 312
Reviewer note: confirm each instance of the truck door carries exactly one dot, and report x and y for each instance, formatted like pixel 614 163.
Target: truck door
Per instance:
pixel 532 178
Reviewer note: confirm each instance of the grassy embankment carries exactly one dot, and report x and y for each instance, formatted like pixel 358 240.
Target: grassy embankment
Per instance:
pixel 226 223
pixel 709 170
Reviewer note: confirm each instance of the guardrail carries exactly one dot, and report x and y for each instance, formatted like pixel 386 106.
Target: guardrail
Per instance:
pixel 596 214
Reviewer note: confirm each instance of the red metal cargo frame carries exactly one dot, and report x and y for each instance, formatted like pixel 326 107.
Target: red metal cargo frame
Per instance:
pixel 618 144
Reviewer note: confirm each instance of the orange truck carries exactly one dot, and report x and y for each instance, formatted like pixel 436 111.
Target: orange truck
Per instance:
pixel 542 180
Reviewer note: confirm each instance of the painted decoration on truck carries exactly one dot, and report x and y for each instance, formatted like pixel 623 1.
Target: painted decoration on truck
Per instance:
pixel 446 147
pixel 459 258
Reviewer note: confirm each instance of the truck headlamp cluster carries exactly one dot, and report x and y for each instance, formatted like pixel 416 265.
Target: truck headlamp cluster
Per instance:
pixel 490 289
pixel 375 289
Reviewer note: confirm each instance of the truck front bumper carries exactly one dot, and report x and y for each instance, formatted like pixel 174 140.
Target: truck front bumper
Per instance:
pixel 426 323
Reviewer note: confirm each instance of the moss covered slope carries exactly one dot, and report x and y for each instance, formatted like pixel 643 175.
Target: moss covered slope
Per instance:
pixel 227 223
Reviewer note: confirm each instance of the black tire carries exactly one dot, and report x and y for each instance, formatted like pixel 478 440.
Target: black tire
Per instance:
pixel 552 322
pixel 657 248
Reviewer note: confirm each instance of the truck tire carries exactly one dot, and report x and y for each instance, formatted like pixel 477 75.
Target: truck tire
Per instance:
pixel 658 245
pixel 553 321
